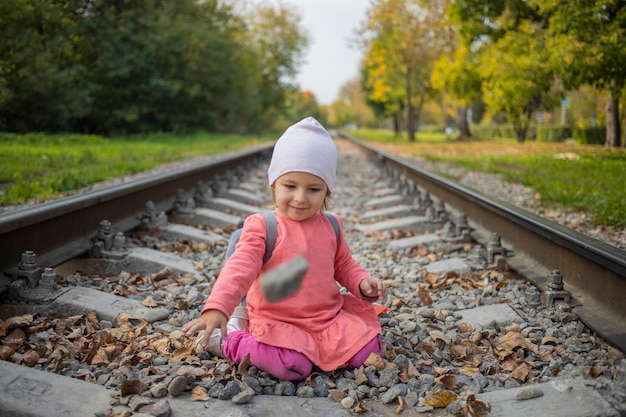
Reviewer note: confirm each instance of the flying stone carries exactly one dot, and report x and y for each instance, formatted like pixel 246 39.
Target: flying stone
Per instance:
pixel 284 280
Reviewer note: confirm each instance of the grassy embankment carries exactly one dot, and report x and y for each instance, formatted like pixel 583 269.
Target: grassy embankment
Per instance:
pixel 581 177
pixel 41 167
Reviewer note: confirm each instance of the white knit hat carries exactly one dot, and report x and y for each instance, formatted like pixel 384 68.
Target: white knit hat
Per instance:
pixel 305 147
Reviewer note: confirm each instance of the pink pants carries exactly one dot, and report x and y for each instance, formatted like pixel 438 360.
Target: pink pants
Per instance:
pixel 280 362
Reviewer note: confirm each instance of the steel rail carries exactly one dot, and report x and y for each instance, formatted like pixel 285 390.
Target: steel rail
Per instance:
pixel 593 272
pixel 60 230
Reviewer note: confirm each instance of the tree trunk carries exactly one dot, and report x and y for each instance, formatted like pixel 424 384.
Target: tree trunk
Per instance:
pixel 396 123
pixel 462 124
pixel 612 122
pixel 410 110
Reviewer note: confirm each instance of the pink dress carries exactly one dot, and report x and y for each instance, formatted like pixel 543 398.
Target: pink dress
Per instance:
pixel 328 327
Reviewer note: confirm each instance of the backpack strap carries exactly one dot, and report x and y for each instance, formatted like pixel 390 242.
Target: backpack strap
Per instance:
pixel 334 223
pixel 271 231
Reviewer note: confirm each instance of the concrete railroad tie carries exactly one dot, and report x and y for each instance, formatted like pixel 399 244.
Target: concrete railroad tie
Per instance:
pixel 284 280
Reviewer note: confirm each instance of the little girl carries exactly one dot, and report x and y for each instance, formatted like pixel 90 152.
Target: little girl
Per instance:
pixel 318 325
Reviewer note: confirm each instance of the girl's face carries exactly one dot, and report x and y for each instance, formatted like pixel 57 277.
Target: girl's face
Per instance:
pixel 299 195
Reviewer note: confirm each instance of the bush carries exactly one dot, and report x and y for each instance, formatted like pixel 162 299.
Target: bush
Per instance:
pixel 503 131
pixel 590 135
pixel 552 133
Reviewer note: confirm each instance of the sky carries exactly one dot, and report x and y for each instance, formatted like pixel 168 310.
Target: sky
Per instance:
pixel 330 61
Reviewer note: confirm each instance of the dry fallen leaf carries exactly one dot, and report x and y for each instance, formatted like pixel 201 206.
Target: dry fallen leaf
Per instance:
pixel 199 394
pixel 244 365
pixel 545 355
pixel 441 399
pixel 430 277
pixel 359 409
pixel 376 361
pixel 131 386
pixel 550 340
pixel 424 295
pixel 521 372
pixel 476 407
pixel 16 321
pixel 449 381
pixel 149 302
pixel 400 408
pixel 360 377
pixel 438 335
pixel 465 327
pixel 595 371
pixel 513 340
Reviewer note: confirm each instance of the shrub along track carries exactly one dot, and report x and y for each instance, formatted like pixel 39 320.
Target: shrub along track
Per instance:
pixel 399 228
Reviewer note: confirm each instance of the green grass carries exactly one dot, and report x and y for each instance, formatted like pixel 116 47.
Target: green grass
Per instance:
pixel 580 177
pixel 39 167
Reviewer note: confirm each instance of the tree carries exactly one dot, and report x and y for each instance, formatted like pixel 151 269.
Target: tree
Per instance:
pixel 42 81
pixel 518 76
pixel 278 44
pixel 351 106
pixel 403 39
pixel 590 48
pixel 459 77
pixel 119 66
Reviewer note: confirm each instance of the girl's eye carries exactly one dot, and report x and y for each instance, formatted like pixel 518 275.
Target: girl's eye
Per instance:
pixel 314 190
pixel 289 186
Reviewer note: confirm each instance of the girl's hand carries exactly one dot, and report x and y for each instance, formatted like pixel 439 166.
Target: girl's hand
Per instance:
pixel 208 321
pixel 373 288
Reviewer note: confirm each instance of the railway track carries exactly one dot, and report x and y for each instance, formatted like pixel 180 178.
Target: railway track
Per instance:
pixel 488 302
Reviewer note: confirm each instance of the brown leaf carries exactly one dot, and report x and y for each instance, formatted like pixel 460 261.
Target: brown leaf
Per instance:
pixel 514 327
pixel 376 361
pixel 476 407
pixel 430 277
pixel 595 371
pixel 100 358
pixel 360 377
pixel 512 340
pixel 401 405
pixel 465 327
pixel 459 351
pixel 149 302
pixel 438 335
pixel 440 370
pixel 545 355
pixel 16 321
pixel 468 370
pixel 30 358
pixel 521 372
pixel 7 351
pixel 199 394
pixel 550 340
pixel 426 347
pixel 359 409
pixel 244 365
pixel 441 399
pixel 413 372
pixel 424 295
pixel 131 386
pixel 15 338
pixel 449 381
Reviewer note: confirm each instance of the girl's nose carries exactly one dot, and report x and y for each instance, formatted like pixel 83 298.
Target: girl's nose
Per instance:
pixel 300 195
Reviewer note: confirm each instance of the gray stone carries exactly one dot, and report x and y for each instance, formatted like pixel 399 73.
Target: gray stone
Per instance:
pixel 284 280
pixel 177 386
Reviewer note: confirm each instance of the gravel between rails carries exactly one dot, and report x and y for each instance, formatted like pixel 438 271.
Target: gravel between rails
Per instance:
pixel 427 346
